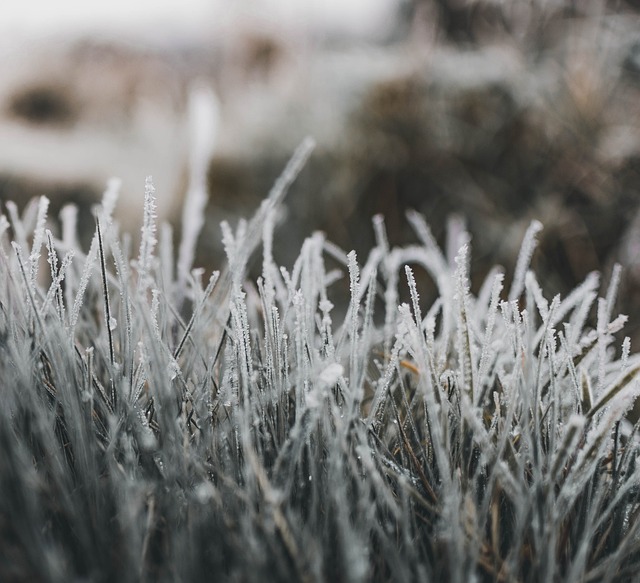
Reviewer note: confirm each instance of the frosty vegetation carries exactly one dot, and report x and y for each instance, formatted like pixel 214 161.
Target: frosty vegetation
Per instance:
pixel 158 427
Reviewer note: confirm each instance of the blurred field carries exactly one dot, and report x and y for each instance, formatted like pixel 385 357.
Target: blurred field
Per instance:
pixel 495 112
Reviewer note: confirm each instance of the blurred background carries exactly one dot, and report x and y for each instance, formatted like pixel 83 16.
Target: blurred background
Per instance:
pixel 494 112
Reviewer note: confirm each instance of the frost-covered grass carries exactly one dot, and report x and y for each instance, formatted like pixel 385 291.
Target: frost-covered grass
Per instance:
pixel 157 427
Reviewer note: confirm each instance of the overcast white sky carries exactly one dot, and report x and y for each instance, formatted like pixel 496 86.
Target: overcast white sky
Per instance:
pixel 180 16
pixel 45 15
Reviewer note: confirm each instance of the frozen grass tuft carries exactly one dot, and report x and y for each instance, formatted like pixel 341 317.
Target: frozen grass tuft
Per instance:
pixel 243 432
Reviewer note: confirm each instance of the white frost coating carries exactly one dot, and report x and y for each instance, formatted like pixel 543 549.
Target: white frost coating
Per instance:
pixel 491 320
pixel 204 117
pixel 612 292
pixel 270 406
pixel 19 232
pixel 327 379
pixel 354 304
pixel 582 297
pixel 84 281
pixel 4 225
pixel 110 199
pixel 531 283
pixel 38 239
pixel 330 376
pixel 354 273
pixel 626 349
pixel 415 300
pixel 205 492
pixel 57 276
pixel 173 370
pixel 325 306
pixel 617 324
pixel 620 393
pixel 573 432
pixel 382 241
pixel 524 258
pixel 148 241
pixel 249 234
pixel 69 220
pixel 228 241
pixel 155 306
pixel 465 347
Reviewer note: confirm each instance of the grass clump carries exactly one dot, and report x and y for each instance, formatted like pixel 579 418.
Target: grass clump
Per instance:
pixel 157 428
